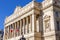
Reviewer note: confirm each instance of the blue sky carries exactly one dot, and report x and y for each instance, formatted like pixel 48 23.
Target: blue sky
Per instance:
pixel 7 8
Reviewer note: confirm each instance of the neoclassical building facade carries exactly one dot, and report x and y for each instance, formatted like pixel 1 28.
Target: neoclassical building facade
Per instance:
pixel 37 21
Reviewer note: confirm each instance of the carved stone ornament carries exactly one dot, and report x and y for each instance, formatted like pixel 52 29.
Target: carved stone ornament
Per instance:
pixel 47 23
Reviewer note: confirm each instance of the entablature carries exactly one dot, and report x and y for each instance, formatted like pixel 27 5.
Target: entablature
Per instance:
pixel 23 10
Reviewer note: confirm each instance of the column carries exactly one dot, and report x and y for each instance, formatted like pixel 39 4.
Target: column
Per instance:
pixel 30 26
pixel 8 31
pixel 24 26
pixel 20 27
pixel 5 33
pixel 15 31
pixel 11 32
pixel 27 25
pixel 33 22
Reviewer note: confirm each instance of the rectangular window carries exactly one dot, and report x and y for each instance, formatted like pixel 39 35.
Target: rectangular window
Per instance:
pixel 57 15
pixel 58 26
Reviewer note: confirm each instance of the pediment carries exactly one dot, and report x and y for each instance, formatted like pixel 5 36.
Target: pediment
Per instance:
pixel 17 9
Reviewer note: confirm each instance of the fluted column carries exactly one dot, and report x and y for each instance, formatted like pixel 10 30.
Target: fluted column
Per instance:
pixel 34 22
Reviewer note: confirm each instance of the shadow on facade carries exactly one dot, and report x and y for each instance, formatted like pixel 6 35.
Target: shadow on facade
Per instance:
pixel 41 21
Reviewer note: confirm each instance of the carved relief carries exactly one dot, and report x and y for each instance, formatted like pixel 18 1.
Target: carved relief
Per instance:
pixel 47 23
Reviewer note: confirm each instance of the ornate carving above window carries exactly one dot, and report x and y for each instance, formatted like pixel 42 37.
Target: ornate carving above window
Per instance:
pixel 46 17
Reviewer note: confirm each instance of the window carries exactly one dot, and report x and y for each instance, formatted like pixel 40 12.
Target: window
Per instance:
pixel 57 15
pixel 58 26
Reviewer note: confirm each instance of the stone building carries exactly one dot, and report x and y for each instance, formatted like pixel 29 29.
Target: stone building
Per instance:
pixel 37 21
pixel 1 34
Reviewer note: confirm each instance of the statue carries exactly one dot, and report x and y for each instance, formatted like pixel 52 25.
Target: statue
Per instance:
pixel 22 38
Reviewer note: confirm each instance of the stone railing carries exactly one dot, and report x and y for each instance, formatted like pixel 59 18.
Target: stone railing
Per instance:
pixel 46 3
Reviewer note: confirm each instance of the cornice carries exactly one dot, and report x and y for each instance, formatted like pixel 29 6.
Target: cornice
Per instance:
pixel 23 11
pixel 32 5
